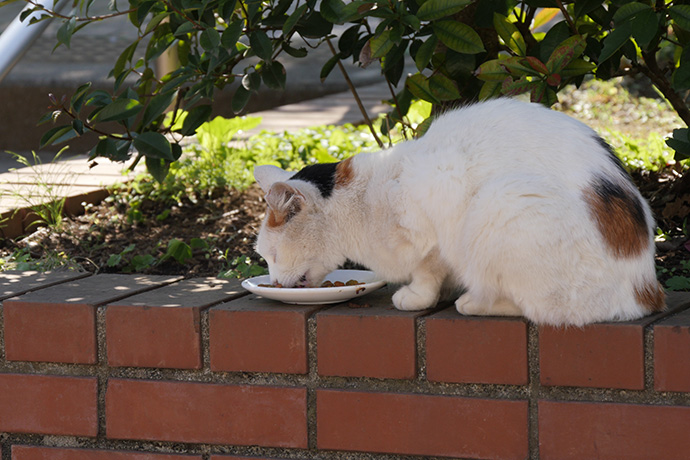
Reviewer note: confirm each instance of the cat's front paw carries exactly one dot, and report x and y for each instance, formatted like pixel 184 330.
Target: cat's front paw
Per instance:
pixel 409 300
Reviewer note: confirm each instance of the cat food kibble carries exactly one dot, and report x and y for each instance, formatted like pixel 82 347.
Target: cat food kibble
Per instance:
pixel 326 283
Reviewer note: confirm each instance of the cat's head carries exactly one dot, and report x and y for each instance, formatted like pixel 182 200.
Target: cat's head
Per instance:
pixel 294 237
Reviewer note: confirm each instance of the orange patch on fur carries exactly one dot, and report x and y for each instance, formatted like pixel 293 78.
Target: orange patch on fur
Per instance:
pixel 620 221
pixel 344 173
pixel 651 296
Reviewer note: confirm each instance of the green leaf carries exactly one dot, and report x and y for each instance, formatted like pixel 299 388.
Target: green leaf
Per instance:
pixel 232 33
pixel 178 250
pixel 443 88
pixel 273 74
pixel 510 34
pixel 577 67
pixel 542 94
pixel 153 23
pixel 536 64
pixel 57 135
pixel 195 118
pixel 114 260
pixel 459 37
pixel 124 58
pixel 381 44
pixel 109 148
pixel 157 106
pixel 628 11
pixel 118 110
pixel 209 39
pixel 679 142
pixel 79 96
pixel 512 87
pixel 78 127
pixel 153 145
pixel 615 40
pixel 142 262
pixel 645 27
pixel 328 67
pixel 490 89
pixel 240 99
pixel 680 15
pixel 291 21
pixel 294 52
pixel 564 53
pixel 425 52
pixel 680 79
pixel 678 283
pixel 64 33
pixel 419 87
pixel 437 9
pixel 158 168
pixel 261 45
pixel 492 70
pixel 251 81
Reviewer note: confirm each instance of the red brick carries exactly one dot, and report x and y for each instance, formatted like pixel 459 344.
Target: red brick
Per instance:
pixel 54 453
pixel 475 350
pixel 162 328
pixel 672 353
pixel 253 334
pixel 232 457
pixel 206 413
pixel 577 430
pixel 422 425
pixel 378 341
pixel 48 405
pixel 605 355
pixel 58 324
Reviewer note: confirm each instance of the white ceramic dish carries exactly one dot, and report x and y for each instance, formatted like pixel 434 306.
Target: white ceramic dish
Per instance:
pixel 319 295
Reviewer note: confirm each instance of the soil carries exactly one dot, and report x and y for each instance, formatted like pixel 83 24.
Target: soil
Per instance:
pixel 229 220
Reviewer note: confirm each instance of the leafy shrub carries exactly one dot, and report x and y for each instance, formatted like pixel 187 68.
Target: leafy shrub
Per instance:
pixel 462 49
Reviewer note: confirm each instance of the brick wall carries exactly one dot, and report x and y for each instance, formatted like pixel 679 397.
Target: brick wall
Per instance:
pixel 113 367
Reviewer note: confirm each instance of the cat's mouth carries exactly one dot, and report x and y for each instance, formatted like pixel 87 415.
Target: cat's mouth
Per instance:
pixel 301 282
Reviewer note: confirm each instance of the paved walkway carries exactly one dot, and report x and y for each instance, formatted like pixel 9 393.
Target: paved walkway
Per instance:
pixel 75 180
pixel 23 94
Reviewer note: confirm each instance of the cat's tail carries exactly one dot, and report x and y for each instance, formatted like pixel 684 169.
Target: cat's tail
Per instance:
pixel 651 296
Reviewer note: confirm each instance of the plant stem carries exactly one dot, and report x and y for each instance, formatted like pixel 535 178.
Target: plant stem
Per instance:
pixel 567 17
pixel 656 75
pixel 55 14
pixel 353 90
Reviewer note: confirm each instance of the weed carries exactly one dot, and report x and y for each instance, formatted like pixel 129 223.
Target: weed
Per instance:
pixel 22 260
pixel 242 267
pixel 45 197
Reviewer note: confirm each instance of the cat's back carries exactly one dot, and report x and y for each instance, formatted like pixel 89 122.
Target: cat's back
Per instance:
pixel 480 141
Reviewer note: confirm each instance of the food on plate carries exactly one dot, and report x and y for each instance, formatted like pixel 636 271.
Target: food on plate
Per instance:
pixel 326 283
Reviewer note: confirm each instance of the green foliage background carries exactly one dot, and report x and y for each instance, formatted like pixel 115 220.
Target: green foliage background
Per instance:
pixel 462 50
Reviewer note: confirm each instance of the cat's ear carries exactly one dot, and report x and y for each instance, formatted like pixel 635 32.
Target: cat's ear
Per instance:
pixel 267 175
pixel 284 202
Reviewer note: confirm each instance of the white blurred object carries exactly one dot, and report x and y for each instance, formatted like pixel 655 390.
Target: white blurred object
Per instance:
pixel 18 37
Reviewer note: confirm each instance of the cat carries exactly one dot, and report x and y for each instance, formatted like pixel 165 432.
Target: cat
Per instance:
pixel 526 209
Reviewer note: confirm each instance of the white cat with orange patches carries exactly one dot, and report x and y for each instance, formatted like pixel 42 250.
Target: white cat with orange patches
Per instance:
pixel 524 208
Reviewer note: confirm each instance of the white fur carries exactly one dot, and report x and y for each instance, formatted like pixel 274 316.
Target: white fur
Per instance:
pixel 490 199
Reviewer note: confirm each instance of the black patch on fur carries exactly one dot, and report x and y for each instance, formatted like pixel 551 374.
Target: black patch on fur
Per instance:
pixel 611 192
pixel 612 155
pixel 322 175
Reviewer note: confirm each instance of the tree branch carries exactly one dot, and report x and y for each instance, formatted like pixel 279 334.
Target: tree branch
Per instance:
pixel 353 90
pixel 652 71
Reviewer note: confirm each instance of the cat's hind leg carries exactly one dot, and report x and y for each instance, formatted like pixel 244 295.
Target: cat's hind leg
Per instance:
pixel 425 288
pixel 468 304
